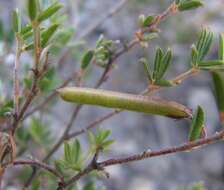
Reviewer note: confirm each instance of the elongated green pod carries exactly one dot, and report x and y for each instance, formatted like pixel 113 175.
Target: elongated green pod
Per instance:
pixel 131 102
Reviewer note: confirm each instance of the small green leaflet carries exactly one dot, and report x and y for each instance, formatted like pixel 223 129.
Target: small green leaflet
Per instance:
pixel 221 46
pixel 16 21
pixel 86 59
pixel 32 9
pixel 188 4
pixel 218 82
pixel 52 9
pixel 197 124
pixel 204 43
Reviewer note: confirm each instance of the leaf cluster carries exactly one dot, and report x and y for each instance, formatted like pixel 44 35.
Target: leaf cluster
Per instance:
pixel 99 141
pixel 37 17
pixel 162 62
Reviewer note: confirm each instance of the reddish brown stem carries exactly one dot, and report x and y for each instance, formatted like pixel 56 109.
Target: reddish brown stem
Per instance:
pixel 37 164
pixel 189 146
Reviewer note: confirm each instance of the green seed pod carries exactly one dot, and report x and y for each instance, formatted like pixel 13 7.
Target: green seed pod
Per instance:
pixel 32 9
pixel 138 103
pixel 16 21
pixel 188 5
pixel 52 9
pixel 197 125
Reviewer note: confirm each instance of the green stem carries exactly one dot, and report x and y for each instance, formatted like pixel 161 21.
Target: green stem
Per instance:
pixel 180 78
pixel 36 33
pixel 131 102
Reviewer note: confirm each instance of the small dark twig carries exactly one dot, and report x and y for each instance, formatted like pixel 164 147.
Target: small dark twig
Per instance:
pixel 16 78
pixel 99 22
pixel 93 124
pixel 189 146
pixel 91 167
pixel 26 104
pixel 95 25
pixel 48 98
pixel 75 178
pixel 64 135
pixel 38 164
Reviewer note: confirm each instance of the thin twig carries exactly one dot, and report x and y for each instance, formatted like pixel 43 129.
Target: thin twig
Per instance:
pixel 37 164
pixel 113 11
pixel 56 146
pixel 185 75
pixel 47 99
pixel 75 178
pixel 88 31
pixel 64 135
pixel 93 124
pixel 33 91
pixel 16 78
pixel 188 147
pixel 36 33
pixel 138 37
pixel 27 103
pixel 93 165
